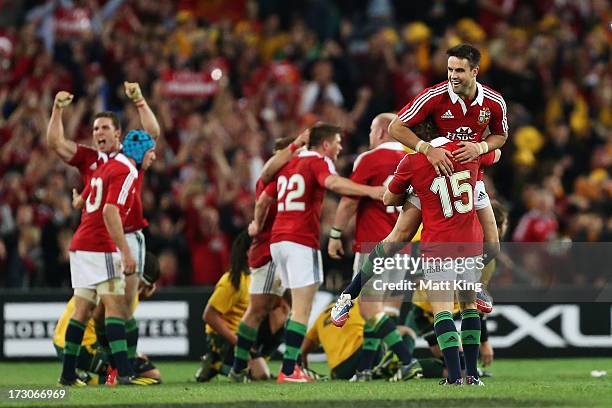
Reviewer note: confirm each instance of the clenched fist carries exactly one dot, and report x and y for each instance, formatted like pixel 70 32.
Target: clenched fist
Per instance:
pixel 63 99
pixel 132 90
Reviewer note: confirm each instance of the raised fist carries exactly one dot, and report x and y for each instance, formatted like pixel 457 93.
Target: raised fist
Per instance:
pixel 132 90
pixel 63 99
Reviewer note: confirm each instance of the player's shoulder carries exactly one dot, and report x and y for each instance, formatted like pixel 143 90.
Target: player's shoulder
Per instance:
pixel 310 158
pixel 382 151
pixel 121 164
pixel 492 95
pixel 435 91
pixel 490 90
pixel 224 280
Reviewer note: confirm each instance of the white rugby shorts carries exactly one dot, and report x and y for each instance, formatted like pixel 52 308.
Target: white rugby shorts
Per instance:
pixel 299 265
pixel 138 248
pixel 266 280
pixel 88 269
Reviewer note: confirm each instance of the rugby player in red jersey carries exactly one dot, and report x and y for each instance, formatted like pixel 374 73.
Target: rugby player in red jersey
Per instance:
pixel 106 134
pixel 374 221
pixel 100 256
pixel 266 288
pixel 299 189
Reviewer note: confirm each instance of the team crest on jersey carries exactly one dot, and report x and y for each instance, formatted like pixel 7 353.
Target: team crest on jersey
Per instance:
pixel 484 116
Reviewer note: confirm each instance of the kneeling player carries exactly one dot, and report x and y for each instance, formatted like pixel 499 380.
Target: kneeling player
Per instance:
pixel 222 314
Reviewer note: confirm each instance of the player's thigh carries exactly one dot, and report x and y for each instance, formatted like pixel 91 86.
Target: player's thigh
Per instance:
pixel 266 280
pixel 441 300
pixel 112 295
pixel 303 265
pixel 131 290
pixel 138 249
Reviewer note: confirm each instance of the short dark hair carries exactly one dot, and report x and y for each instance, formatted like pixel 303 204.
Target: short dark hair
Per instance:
pixel 111 115
pixel 282 142
pixel 465 51
pixel 321 132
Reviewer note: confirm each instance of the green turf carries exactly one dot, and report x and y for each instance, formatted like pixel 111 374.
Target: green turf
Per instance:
pixel 551 382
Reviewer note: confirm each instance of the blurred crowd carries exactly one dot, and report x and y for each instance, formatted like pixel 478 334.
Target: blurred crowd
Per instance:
pixel 225 78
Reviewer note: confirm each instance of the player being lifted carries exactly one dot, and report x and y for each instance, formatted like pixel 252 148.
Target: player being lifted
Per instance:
pixel 374 221
pixel 299 190
pixel 106 141
pixel 445 105
pixel 265 289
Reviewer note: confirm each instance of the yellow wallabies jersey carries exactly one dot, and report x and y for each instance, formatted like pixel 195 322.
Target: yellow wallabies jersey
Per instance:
pixel 228 301
pixel 89 337
pixel 339 343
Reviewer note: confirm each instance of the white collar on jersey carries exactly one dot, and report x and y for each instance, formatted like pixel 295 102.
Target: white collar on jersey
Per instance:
pixel 439 141
pixel 456 98
pixel 390 146
pixel 307 153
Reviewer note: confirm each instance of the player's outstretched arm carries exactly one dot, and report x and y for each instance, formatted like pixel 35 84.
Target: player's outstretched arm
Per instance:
pixel 347 208
pixel 112 220
pixel 56 140
pixel 344 186
pixel 283 156
pixel 147 117
pixel 262 206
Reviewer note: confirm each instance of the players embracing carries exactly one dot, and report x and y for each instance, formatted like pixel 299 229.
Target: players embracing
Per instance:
pixel 104 266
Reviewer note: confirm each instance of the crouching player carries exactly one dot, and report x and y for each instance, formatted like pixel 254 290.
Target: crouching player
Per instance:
pixel 223 313
pixel 344 349
pixel 93 358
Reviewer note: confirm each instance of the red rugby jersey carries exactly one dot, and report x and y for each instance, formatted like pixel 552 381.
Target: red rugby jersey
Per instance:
pixel 374 220
pixel 299 190
pixel 112 183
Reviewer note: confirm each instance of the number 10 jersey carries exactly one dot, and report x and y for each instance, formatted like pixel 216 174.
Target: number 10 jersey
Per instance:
pixel 110 183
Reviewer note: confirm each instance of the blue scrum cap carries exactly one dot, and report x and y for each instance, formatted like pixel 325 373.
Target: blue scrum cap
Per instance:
pixel 136 143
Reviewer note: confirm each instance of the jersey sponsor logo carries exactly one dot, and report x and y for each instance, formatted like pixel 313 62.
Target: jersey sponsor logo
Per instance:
pixel 447 115
pixel 482 195
pixel 484 116
pixel 461 133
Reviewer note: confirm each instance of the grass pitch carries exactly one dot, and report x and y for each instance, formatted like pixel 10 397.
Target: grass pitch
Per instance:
pixel 516 383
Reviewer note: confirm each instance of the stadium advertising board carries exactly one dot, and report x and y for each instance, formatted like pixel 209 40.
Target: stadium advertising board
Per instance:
pixel 171 326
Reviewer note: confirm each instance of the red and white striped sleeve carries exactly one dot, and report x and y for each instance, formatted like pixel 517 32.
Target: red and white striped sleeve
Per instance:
pixel 417 110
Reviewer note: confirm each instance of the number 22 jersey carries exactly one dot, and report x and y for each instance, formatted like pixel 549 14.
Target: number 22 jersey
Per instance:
pixel 299 189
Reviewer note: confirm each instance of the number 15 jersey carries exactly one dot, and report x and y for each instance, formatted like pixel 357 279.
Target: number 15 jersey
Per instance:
pixel 447 203
pixel 299 189
pixel 111 183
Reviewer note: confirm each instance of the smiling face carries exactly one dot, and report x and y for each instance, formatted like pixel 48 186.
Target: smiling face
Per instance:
pixel 461 77
pixel 105 135
pixel 333 147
